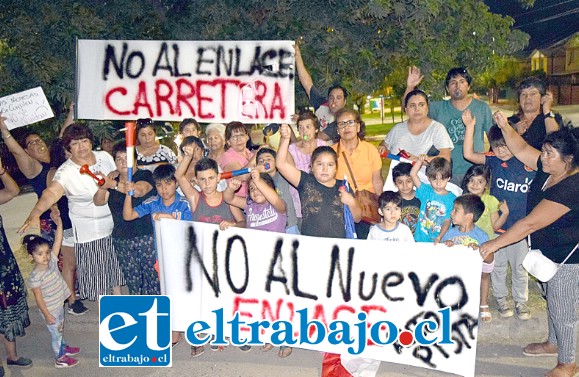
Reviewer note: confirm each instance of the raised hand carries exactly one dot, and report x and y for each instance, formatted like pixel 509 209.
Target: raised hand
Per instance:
pixel 414 77
pixel 468 120
pixel 285 131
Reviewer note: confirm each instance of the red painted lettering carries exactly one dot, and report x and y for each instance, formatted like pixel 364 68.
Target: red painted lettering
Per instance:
pixel 183 96
pixel 141 100
pixel 163 97
pixel 108 103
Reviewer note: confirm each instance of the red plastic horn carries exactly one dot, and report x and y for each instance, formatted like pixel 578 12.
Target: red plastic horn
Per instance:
pixel 85 170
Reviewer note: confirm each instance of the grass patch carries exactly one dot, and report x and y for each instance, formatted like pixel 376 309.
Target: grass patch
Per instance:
pixel 378 129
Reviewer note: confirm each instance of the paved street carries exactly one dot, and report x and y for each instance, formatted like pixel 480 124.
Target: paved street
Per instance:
pixel 499 348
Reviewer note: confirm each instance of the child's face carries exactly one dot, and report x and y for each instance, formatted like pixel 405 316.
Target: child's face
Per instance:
pixel 391 213
pixel 207 180
pixel 42 255
pixel 477 185
pixel 255 194
pixel 190 130
pixel 166 188
pixel 404 184
pixel 324 168
pixel 458 216
pixel 269 159
pixel 502 152
pixel 438 183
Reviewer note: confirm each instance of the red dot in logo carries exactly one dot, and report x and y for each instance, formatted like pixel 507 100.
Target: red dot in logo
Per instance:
pixel 406 338
pixel 154 359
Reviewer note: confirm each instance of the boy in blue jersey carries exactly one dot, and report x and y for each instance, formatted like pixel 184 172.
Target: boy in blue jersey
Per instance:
pixel 510 182
pixel 466 211
pixel 166 204
pixel 435 200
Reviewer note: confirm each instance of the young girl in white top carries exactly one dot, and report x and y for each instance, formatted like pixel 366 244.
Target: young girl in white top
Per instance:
pixel 50 291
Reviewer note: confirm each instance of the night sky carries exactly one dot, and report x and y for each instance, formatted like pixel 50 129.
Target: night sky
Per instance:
pixel 547 22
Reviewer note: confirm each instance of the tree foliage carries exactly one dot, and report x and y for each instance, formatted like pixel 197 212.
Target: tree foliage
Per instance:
pixel 358 42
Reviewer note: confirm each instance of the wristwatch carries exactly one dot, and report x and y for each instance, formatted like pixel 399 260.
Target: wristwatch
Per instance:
pixel 550 114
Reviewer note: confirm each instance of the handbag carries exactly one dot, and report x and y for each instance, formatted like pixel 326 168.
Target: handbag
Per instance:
pixel 540 266
pixel 368 200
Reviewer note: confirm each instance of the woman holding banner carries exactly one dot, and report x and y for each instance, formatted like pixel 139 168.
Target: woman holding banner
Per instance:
pixel 552 226
pixel 97 266
pixel 150 153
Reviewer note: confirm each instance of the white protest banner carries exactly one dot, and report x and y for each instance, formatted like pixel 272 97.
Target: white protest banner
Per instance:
pixel 24 108
pixel 211 81
pixel 371 295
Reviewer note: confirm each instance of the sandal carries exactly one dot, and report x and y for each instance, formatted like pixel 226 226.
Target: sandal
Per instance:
pixel 197 351
pixel 266 347
pixel 284 351
pixel 485 314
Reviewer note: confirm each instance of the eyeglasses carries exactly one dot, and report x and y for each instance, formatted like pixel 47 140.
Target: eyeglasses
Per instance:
pixel 237 137
pixel 346 123
pixel 34 142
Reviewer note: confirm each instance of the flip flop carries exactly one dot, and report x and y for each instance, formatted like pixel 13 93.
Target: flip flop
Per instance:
pixel 284 351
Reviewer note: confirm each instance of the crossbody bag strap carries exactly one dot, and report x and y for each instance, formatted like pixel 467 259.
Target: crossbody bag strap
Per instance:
pixel 571 253
pixel 350 170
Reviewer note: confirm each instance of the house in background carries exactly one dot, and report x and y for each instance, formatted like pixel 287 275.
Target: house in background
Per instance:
pixel 560 62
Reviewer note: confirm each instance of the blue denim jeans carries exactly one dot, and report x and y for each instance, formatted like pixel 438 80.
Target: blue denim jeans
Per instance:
pixel 57 332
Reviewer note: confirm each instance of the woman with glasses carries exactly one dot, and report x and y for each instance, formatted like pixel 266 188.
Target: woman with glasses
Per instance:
pixel 419 134
pixel 151 153
pixel 362 157
pixel 237 155
pixel 534 119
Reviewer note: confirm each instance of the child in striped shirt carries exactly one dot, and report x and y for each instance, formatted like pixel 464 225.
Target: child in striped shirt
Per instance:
pixel 50 291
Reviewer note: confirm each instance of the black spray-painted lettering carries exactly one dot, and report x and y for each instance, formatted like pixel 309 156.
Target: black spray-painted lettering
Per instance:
pixel 228 250
pixel 132 65
pixel 392 279
pixel 276 259
pixel 295 280
pixel 463 298
pixel 192 252
pixel 421 293
pixel 335 264
pixel 361 294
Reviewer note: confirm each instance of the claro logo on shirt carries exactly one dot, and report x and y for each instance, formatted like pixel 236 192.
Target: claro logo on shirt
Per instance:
pixel 507 185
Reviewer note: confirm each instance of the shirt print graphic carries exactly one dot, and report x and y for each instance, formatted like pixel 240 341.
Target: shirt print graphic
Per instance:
pixel 456 131
pixel 433 218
